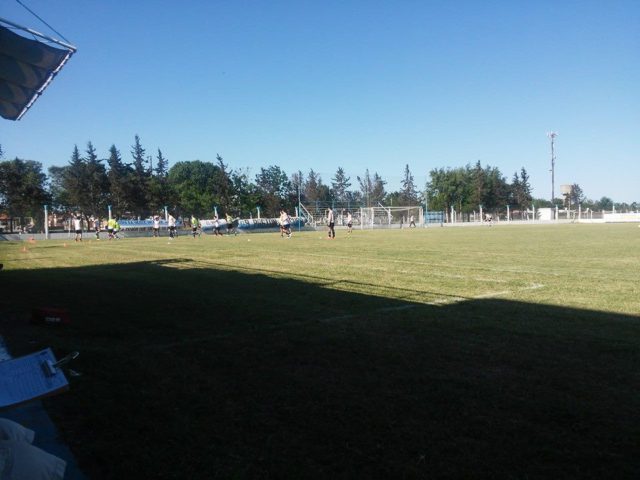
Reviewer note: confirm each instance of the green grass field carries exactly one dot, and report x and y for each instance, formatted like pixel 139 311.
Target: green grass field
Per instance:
pixel 503 352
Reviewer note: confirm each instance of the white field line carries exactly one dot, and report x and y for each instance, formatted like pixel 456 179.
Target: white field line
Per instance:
pixel 437 301
pixel 533 286
pixel 328 258
pixel 432 273
pixel 277 269
pixel 492 294
pixel 518 270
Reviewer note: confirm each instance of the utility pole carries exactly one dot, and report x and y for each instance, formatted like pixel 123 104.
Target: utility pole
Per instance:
pixel 552 136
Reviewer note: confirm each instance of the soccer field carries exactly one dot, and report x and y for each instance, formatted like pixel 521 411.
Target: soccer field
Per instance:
pixel 498 352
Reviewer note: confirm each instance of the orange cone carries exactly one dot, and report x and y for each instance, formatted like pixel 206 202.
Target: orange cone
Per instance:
pixel 24 249
pixel 65 244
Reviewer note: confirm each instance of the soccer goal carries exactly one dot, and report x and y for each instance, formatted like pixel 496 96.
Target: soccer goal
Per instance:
pixel 390 217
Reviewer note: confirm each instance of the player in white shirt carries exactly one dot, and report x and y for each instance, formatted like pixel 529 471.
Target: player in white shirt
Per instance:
pixel 156 226
pixel 331 224
pixel 171 222
pixel 285 224
pixel 77 226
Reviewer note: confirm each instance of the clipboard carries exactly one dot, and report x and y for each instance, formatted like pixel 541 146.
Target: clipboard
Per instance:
pixel 31 377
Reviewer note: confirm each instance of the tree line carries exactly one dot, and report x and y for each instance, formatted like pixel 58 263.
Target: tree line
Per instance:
pixel 145 185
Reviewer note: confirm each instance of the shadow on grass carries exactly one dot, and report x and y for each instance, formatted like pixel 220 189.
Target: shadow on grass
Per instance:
pixel 201 373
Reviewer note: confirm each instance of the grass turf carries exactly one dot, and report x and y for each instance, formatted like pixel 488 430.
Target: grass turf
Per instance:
pixel 503 352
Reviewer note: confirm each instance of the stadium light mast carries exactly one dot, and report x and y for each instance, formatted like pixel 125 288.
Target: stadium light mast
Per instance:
pixel 552 136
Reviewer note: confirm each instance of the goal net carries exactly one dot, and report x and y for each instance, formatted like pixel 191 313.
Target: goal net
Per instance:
pixel 388 217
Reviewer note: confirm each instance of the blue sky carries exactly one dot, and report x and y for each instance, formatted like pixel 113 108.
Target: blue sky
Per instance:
pixel 357 84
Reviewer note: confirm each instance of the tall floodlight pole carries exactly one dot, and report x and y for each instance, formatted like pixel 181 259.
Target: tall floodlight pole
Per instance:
pixel 552 136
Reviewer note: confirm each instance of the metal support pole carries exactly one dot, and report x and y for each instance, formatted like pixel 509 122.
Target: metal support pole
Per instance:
pixel 46 223
pixel 552 136
pixel 426 210
pixel 299 204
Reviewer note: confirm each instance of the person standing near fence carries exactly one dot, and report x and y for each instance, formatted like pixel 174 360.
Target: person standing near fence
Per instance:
pixel 194 225
pixel 96 227
pixel 111 225
pixel 349 222
pixel 171 222
pixel 77 226
pixel 116 229
pixel 156 226
pixel 229 223
pixel 285 224
pixel 331 224
pixel 412 222
pixel 489 219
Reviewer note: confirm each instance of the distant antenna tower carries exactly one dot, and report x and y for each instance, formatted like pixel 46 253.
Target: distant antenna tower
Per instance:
pixel 552 136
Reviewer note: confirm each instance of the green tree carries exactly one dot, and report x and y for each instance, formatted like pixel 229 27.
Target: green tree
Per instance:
pixel 297 182
pixel 94 199
pixel 486 187
pixel 378 192
pixel 447 188
pixel 394 199
pixel 525 189
pixel 408 195
pixel 244 194
pixel 22 188
pixel 81 185
pixel 139 158
pixel 59 196
pixel 539 203
pixel 366 188
pixel 159 190
pixel 162 165
pixel 196 186
pixel 605 203
pixel 496 189
pixel 520 190
pixel 274 189
pixel 314 189
pixel 75 180
pixel 576 197
pixel 340 184
pixel 224 183
pixel 478 187
pixel 119 176
pixel 324 192
pixel 514 190
pixel 139 194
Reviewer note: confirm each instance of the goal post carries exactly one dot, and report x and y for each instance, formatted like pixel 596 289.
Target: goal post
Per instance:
pixel 366 217
pixel 390 217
